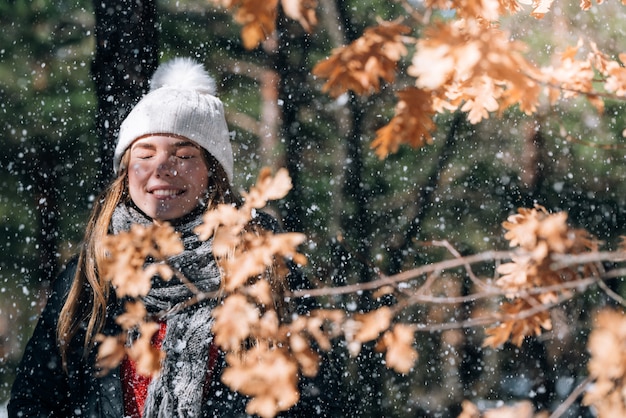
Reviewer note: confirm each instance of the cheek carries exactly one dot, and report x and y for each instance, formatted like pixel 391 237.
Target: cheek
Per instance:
pixel 136 176
pixel 198 174
pixel 139 169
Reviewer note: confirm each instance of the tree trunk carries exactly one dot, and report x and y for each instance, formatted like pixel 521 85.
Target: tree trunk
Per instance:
pixel 126 57
pixel 365 387
pixel 290 61
pixel 45 177
pixel 270 120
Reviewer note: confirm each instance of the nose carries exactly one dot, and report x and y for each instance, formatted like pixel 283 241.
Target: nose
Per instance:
pixel 166 166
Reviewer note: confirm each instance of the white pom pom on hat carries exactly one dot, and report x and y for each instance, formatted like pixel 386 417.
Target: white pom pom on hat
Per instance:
pixel 183 73
pixel 181 102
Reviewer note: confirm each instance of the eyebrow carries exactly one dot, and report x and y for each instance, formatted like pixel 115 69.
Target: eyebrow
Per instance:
pixel 182 144
pixel 179 144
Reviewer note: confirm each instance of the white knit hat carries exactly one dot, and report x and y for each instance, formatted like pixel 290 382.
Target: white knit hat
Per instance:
pixel 181 101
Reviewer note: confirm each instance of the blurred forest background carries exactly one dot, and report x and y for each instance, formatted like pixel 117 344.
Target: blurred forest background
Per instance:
pixel 361 214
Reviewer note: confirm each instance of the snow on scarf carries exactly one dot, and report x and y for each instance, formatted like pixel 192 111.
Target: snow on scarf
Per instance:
pixel 178 390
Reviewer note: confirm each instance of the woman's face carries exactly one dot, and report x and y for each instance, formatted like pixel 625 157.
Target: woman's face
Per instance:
pixel 167 176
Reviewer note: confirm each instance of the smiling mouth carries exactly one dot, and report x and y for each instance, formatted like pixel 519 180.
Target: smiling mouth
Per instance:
pixel 167 193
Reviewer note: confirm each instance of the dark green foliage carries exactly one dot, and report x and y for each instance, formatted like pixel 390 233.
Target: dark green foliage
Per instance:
pixel 48 157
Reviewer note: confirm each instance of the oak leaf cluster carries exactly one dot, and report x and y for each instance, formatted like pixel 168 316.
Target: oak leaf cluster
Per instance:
pixel 125 268
pixel 530 281
pixel 258 18
pixel 466 64
pixel 360 66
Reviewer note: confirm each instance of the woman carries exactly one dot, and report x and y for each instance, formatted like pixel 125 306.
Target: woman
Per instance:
pixel 173 161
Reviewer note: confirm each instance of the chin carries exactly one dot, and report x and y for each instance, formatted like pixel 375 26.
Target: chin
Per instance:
pixel 169 216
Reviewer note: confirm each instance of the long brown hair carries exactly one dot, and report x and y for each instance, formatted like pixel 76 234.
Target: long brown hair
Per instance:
pixel 86 303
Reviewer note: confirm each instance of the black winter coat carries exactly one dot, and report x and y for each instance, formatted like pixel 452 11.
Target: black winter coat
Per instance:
pixel 43 389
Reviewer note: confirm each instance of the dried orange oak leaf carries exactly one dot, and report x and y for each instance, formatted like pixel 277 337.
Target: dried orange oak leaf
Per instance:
pixel 111 352
pixel 255 254
pixel 371 324
pixel 227 221
pixel 134 314
pixel 360 66
pixel 541 7
pixel 516 330
pixel 226 239
pixel 127 254
pixel 482 98
pixel 477 67
pixel 146 356
pixel 268 375
pixel 523 409
pixel 570 77
pixel 113 349
pixel 539 236
pixel 235 320
pixel 257 17
pixel 308 360
pixel 301 10
pixel 261 291
pixel 412 124
pixel 397 344
pixel 321 325
pixel 268 187
pixel 470 410
pixel 221 215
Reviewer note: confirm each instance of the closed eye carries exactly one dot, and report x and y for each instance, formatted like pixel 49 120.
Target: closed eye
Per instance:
pixel 187 152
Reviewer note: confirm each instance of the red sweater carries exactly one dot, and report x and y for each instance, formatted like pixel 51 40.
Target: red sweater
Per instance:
pixel 135 386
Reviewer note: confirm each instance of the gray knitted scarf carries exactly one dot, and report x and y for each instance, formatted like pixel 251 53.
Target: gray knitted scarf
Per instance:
pixel 178 390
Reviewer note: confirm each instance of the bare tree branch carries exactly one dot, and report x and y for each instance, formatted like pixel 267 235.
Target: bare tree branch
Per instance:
pixel 571 398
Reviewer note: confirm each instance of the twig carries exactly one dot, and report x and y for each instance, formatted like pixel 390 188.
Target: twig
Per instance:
pixel 420 292
pixel 410 9
pixel 571 398
pixel 468 267
pixel 420 296
pixel 428 283
pixel 560 262
pixel 611 293
pixel 567 260
pixel 403 276
pixel 492 319
pixel 192 287
pixel 198 296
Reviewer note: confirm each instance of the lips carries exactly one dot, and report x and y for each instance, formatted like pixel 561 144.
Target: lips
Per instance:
pixel 166 193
